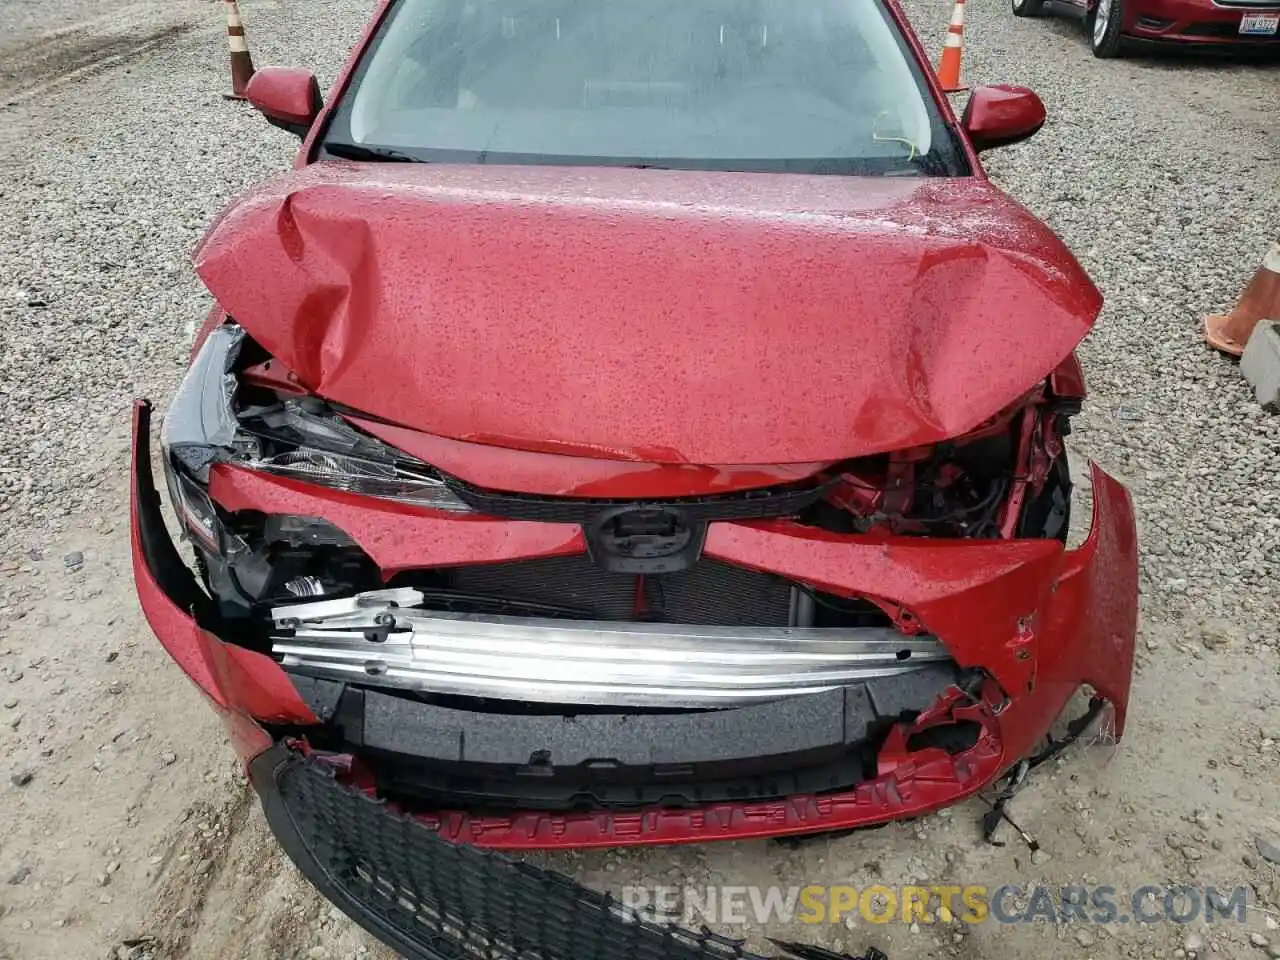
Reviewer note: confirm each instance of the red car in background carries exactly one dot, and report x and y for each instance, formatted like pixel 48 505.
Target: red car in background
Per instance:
pixel 1242 24
pixel 630 423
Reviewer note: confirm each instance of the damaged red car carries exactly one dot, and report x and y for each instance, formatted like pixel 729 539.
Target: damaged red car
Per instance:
pixel 629 423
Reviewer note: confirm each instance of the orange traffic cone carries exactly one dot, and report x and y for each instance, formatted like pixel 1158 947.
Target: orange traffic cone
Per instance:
pixel 241 62
pixel 1260 301
pixel 952 52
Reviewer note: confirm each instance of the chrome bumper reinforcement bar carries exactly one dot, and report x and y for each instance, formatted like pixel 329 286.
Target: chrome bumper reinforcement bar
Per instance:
pixel 378 638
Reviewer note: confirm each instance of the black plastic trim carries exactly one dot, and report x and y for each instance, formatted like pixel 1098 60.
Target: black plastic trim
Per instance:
pixel 265 771
pixel 470 902
pixel 159 554
pixel 758 504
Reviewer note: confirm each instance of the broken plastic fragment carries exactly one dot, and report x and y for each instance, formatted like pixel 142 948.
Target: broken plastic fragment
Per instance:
pixel 201 419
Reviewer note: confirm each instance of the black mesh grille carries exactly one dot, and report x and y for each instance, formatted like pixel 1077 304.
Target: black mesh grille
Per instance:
pixel 780 501
pixel 709 592
pixel 432 899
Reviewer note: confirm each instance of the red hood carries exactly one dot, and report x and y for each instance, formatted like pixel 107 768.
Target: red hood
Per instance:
pixel 663 316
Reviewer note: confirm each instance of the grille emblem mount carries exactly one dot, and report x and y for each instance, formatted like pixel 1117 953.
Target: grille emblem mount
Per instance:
pixel 644 539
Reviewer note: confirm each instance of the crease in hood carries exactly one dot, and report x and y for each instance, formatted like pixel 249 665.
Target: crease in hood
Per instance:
pixel 670 317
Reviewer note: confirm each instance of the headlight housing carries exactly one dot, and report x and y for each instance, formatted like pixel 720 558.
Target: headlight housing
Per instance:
pixel 303 439
pixel 297 437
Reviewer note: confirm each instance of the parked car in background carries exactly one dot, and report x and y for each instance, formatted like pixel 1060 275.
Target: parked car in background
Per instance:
pixel 631 423
pixel 1114 24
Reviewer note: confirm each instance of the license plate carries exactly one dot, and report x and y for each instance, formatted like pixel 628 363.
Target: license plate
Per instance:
pixel 1260 24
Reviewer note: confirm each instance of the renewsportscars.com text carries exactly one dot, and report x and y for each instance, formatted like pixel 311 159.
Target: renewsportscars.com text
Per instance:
pixel 944 903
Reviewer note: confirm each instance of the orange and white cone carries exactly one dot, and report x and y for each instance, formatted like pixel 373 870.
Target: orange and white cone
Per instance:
pixel 952 52
pixel 241 62
pixel 1260 301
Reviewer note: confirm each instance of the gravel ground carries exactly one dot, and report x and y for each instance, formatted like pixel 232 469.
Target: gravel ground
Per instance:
pixel 1163 174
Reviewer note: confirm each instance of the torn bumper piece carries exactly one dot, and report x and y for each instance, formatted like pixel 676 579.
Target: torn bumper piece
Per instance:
pixel 433 900
pixel 1033 619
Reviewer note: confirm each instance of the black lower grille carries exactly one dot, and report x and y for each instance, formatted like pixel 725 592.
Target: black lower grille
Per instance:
pixel 709 592
pixel 433 900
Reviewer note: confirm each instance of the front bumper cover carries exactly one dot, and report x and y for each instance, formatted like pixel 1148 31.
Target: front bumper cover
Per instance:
pixel 1198 23
pixel 1039 620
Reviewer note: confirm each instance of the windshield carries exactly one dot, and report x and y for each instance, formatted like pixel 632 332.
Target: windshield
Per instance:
pixel 809 86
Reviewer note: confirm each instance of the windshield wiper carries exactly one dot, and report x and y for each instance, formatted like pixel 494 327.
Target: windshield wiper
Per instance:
pixel 356 151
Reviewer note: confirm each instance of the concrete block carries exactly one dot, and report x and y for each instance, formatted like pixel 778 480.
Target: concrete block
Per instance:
pixel 1261 364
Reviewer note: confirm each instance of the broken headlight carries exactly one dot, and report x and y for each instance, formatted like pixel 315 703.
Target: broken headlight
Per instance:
pixel 297 437
pixel 302 438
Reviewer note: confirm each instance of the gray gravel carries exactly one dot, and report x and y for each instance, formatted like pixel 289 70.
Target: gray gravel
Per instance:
pixel 101 208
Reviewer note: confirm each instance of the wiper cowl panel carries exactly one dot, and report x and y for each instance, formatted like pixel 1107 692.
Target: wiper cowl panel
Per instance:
pixel 357 151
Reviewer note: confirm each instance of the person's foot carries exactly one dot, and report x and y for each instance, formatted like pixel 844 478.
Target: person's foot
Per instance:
pixel 1217 328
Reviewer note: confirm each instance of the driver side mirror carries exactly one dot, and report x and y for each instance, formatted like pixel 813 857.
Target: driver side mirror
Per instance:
pixel 288 97
pixel 1000 114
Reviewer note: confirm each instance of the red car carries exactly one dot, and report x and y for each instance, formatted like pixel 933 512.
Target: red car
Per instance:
pixel 630 423
pixel 1243 24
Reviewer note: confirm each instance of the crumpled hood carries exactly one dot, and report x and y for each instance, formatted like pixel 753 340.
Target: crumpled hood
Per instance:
pixel 655 315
